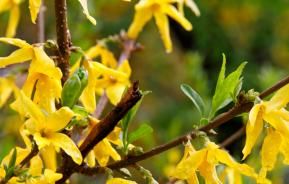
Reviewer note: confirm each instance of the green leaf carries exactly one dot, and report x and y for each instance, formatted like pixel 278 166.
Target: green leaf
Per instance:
pixel 12 161
pixel 127 119
pixel 143 130
pixel 195 98
pixel 80 110
pixel 226 87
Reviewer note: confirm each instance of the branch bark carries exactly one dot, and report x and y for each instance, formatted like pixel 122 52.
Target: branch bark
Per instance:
pixel 101 130
pixel 63 37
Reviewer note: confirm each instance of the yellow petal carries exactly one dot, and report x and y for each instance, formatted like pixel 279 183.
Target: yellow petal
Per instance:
pixel 280 99
pixel 107 58
pixel 277 122
pixel 88 95
pixel 225 158
pixel 47 90
pixel 103 151
pixel 141 17
pixel 44 64
pixel 173 12
pixel 208 171
pixel 41 141
pixel 5 5
pixel 85 11
pixel 120 181
pixel 125 68
pixel 270 149
pixel 114 136
pixel 13 21
pixel 193 179
pixel 48 155
pixel 114 93
pixel 163 26
pixel 59 119
pixel 6 89
pixel 16 42
pixel 284 149
pixel 34 6
pixel 102 69
pixel 18 56
pixel 32 109
pixel 51 177
pixel 36 166
pixel 189 165
pixel 62 141
pixel 90 159
pixel 194 8
pixel 253 129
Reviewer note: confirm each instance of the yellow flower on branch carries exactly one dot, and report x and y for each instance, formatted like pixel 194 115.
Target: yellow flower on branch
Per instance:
pixel 104 150
pixel 35 169
pixel 273 113
pixel 42 71
pixel 103 76
pixel 205 161
pixel 45 126
pixel 13 7
pixel 190 4
pixel 160 10
pixel 34 7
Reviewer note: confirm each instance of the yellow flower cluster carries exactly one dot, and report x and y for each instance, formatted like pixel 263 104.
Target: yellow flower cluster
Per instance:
pixel 161 10
pixel 276 117
pixel 205 161
pixel 43 122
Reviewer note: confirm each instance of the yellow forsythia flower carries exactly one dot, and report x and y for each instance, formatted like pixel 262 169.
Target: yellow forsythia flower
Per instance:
pixel 189 3
pixel 35 169
pixel 34 6
pixel 13 7
pixel 106 77
pixel 44 126
pixel 120 181
pixel 230 176
pixel 273 113
pixel 104 150
pixel 160 10
pixel 42 70
pixel 205 161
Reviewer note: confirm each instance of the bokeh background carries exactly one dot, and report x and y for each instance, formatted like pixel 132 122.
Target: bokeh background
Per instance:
pixel 245 30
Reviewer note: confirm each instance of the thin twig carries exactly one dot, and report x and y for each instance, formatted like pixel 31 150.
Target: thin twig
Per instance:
pixel 34 152
pixel 228 141
pixel 63 37
pixel 239 108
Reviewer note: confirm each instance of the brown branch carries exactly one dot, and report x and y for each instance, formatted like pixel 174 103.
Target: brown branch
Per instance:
pixel 233 137
pixel 101 130
pixel 34 152
pixel 241 107
pixel 63 37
